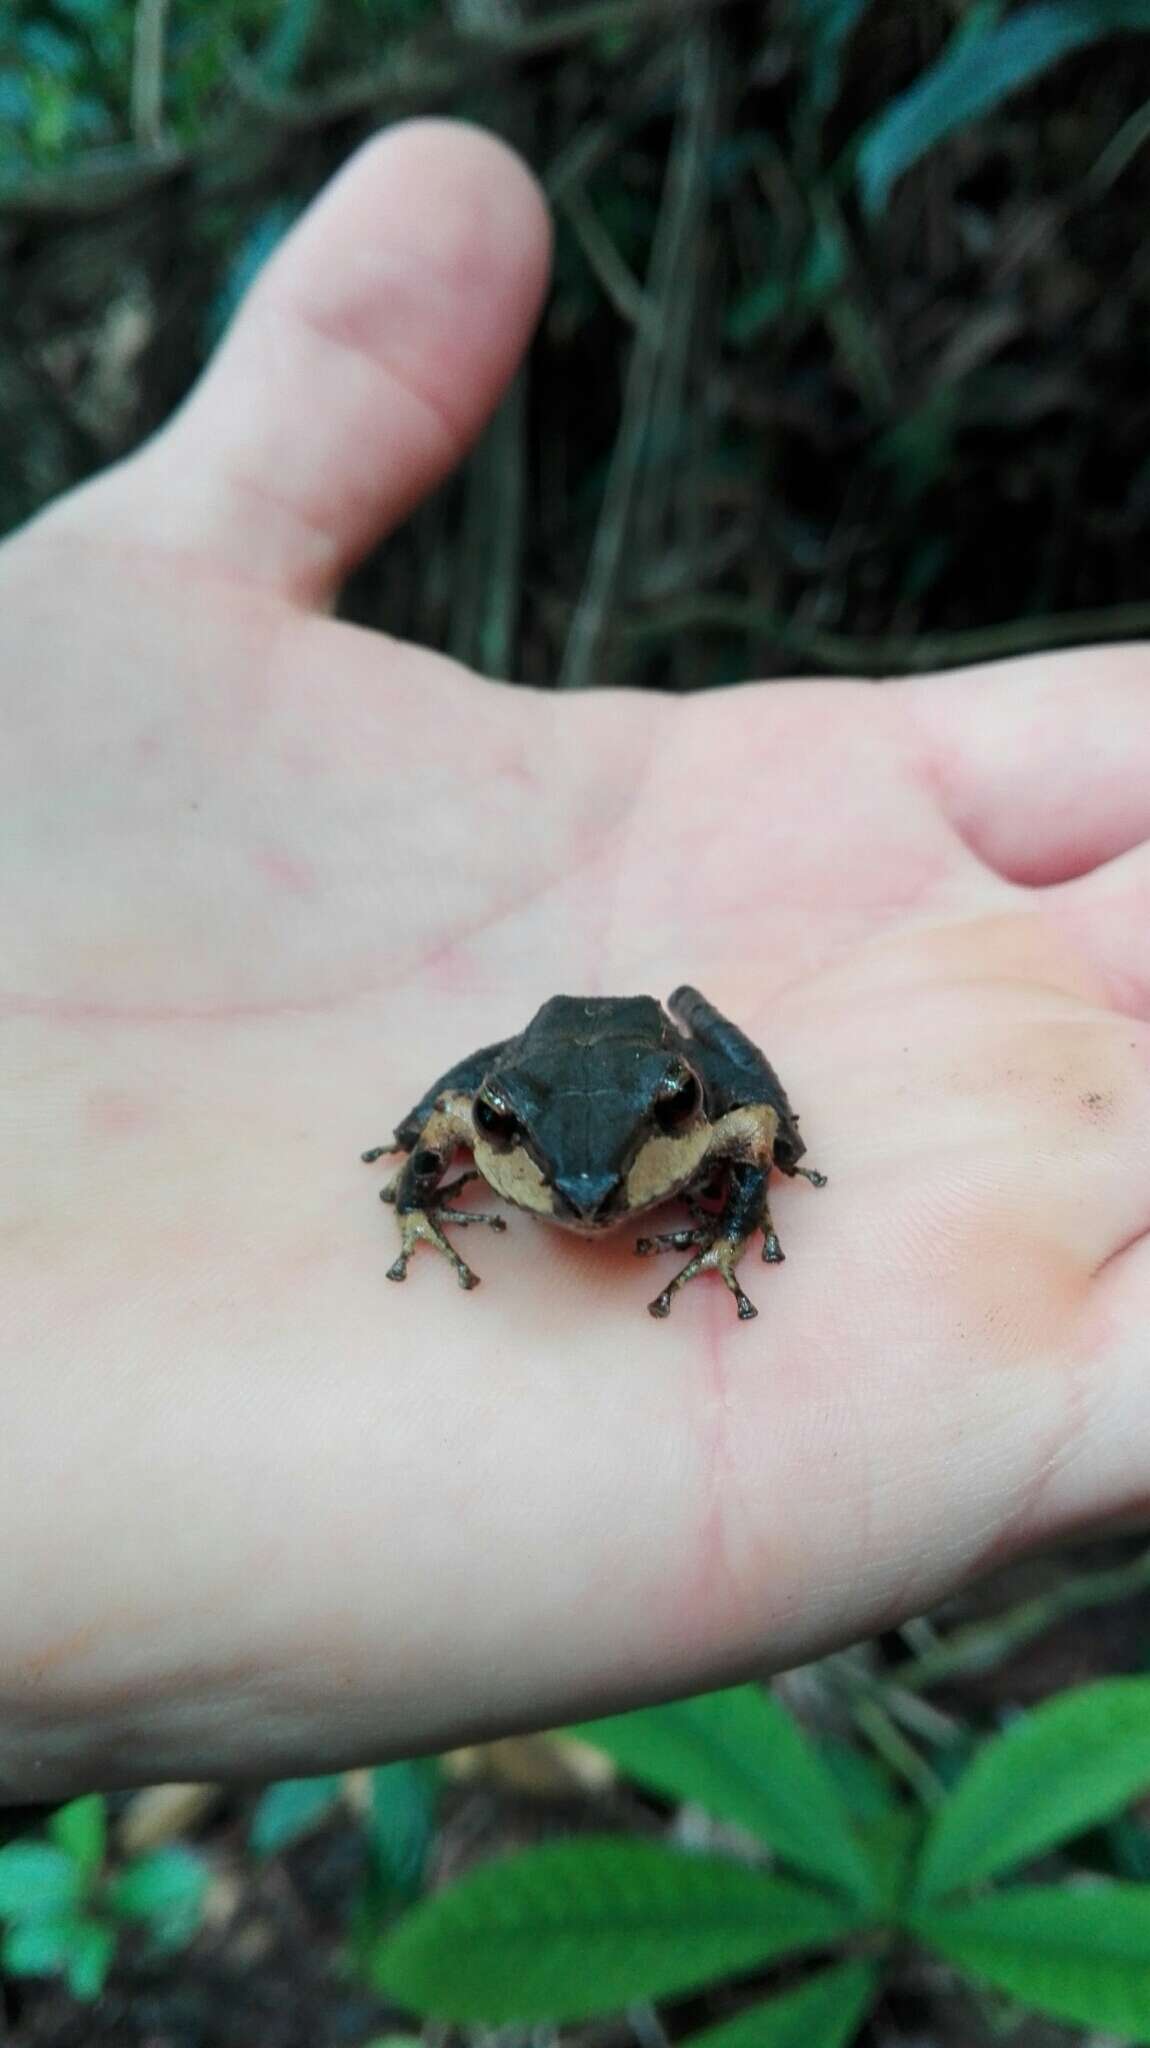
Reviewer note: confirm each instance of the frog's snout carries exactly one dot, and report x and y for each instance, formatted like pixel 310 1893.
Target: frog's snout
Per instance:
pixel 586 1198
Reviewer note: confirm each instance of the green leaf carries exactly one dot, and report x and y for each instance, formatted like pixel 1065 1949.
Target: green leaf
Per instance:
pixel 863 1785
pixel 742 1757
pixel 72 1946
pixel 820 273
pixel 828 22
pixel 80 1829
pixel 974 74
pixel 919 447
pixel 36 1948
pixel 403 1799
pixel 894 1843
pixel 1082 1956
pixel 579 1928
pixel 289 1810
pixel 825 2012
pixel 165 1888
pixel 1128 1841
pixel 91 1951
pixel 37 1882
pixel 260 242
pixel 827 25
pixel 1074 1761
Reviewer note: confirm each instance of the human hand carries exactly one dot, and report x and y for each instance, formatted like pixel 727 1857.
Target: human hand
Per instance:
pixel 268 874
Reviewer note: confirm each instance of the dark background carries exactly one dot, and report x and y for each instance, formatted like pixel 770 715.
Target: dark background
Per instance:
pixel 787 411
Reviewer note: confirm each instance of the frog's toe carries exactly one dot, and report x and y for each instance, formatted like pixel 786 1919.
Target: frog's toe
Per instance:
pixel 773 1253
pixel 717 1255
pixel 448 1215
pixel 390 1188
pixel 670 1241
pixel 419 1226
pixel 811 1173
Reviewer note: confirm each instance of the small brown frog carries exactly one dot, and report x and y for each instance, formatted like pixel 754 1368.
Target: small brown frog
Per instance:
pixel 600 1110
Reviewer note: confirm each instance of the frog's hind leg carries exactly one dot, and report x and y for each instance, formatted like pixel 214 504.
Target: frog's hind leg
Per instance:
pixel 721 1256
pixel 816 1179
pixel 773 1253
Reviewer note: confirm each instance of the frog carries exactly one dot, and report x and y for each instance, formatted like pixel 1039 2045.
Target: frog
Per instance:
pixel 603 1109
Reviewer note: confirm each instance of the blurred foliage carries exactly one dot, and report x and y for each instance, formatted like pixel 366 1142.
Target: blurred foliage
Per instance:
pixel 576 1929
pixel 747 1852
pixel 63 1909
pixel 843 363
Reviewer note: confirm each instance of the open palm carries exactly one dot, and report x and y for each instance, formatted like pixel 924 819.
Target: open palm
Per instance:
pixel 268 875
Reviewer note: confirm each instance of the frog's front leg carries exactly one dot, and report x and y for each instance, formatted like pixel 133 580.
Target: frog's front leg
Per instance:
pixel 722 1240
pixel 746 1143
pixel 420 1197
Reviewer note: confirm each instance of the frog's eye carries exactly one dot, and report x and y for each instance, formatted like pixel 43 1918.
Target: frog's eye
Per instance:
pixel 677 1100
pixel 498 1125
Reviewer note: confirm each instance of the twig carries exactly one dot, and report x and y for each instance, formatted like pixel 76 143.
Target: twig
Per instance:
pixel 844 654
pixel 982 1646
pixel 677 215
pixel 619 286
pixel 889 1743
pixel 148 73
pixel 489 563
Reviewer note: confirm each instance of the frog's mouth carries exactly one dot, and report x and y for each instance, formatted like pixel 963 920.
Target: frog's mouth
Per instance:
pixel 588 1202
pixel 597 1226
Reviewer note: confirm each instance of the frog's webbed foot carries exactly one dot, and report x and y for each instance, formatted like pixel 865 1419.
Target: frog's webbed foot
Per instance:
pixel 421 1226
pixel 718 1253
pixel 418 1226
pixel 721 1240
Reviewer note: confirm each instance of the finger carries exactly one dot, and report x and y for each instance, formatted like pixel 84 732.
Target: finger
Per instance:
pixel 364 361
pixel 1108 1482
pixel 1043 764
pixel 1106 917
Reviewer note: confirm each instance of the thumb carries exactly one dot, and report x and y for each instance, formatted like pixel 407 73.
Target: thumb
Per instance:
pixel 366 358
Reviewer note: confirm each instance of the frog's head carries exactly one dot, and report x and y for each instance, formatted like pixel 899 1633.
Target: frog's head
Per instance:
pixel 589 1134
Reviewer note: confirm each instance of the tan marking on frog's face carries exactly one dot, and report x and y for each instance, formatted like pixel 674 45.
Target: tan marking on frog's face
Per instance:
pixel 514 1175
pixel 665 1163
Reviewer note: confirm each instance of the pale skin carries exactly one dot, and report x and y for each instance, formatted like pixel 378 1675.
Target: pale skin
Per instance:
pixel 263 1513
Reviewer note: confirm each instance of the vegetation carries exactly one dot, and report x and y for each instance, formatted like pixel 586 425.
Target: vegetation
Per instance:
pixel 821 1876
